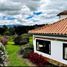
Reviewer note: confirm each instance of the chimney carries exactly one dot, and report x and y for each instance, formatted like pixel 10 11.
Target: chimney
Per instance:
pixel 62 14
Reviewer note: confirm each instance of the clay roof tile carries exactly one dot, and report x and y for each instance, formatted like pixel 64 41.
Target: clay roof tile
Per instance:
pixel 59 27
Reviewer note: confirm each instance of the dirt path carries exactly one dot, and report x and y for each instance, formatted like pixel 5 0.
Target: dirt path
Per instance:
pixel 29 63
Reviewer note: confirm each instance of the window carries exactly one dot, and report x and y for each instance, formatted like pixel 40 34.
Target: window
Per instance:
pixel 43 46
pixel 65 51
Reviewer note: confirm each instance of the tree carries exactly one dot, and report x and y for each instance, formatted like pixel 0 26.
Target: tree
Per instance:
pixel 11 31
pixel 5 28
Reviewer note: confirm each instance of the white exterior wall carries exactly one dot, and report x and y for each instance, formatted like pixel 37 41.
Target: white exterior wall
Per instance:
pixel 56 50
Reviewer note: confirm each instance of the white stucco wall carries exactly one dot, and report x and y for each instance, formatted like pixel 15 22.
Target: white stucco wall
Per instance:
pixel 56 50
pixel 63 16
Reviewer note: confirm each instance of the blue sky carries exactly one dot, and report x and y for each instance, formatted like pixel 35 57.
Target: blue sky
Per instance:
pixel 30 12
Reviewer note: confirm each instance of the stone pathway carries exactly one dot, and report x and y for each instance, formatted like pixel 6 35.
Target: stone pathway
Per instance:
pixel 29 63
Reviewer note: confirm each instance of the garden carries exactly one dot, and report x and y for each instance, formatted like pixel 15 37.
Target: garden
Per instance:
pixel 19 50
pixel 16 49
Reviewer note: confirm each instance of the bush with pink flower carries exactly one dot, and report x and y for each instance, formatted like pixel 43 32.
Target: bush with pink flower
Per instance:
pixel 4 40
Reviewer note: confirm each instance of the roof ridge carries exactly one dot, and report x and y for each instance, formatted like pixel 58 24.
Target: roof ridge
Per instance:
pixel 51 24
pixel 59 21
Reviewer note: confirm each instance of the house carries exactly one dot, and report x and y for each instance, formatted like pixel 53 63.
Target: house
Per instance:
pixel 62 14
pixel 51 41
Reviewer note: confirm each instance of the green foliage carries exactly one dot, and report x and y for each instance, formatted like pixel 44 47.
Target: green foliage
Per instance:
pixel 13 59
pixel 31 40
pixel 25 35
pixel 11 31
pixel 25 52
pixel 21 41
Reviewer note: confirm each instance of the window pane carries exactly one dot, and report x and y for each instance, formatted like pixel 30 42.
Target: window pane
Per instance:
pixel 43 46
pixel 65 51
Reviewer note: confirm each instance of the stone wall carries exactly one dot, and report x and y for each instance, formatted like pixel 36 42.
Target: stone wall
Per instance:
pixel 3 55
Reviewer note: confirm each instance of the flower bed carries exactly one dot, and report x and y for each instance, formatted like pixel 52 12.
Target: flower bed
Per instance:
pixel 37 59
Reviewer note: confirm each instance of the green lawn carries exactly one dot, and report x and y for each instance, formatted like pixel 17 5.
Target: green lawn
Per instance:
pixel 13 58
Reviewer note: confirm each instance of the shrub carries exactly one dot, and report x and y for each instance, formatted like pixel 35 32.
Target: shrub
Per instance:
pixel 24 52
pixel 4 40
pixel 39 60
pixel 20 41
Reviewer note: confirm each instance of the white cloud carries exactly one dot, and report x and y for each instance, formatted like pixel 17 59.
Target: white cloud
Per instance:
pixel 9 7
pixel 24 8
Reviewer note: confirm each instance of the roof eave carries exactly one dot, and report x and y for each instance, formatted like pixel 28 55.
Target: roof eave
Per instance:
pixel 50 34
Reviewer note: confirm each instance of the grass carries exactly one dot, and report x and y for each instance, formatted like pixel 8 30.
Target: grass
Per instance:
pixel 13 58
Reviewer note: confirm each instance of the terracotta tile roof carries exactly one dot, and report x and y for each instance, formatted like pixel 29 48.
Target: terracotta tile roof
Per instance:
pixel 59 27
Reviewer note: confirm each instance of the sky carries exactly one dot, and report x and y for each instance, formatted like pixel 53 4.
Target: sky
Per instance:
pixel 31 12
